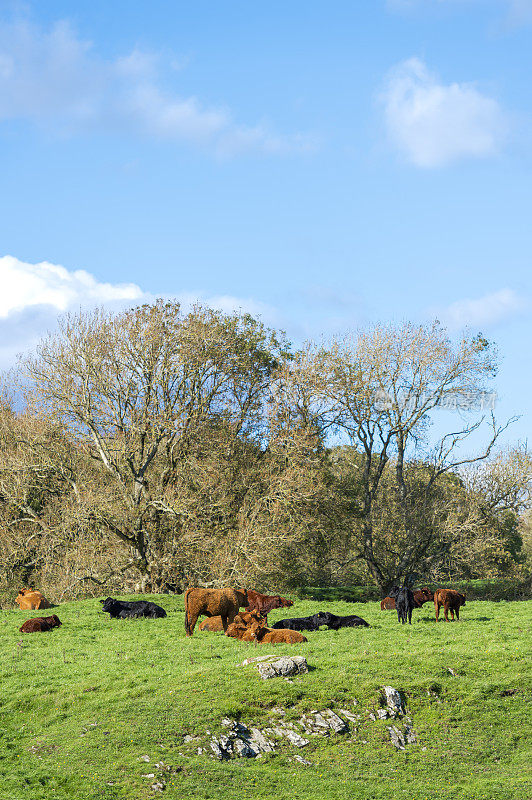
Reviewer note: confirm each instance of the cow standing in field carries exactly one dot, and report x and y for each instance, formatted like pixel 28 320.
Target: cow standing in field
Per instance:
pixel 451 600
pixel 40 624
pixel 264 603
pixel 404 603
pixel 224 603
pixel 420 596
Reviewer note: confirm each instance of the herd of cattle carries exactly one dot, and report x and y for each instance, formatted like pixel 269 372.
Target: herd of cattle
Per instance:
pixel 222 609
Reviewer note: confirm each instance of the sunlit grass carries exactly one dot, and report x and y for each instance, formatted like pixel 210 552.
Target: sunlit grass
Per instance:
pixel 81 704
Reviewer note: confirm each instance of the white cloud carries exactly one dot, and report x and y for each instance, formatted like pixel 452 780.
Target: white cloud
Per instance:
pixel 433 124
pixel 34 295
pixel 56 80
pixel 482 311
pixel 25 285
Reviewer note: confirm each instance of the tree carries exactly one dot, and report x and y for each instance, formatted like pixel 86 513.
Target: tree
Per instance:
pixel 376 390
pixel 146 392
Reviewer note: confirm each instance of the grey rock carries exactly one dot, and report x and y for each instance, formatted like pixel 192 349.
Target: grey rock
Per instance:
pixel 410 734
pixel 295 738
pixel 393 701
pixel 144 758
pixel 397 738
pixel 149 775
pixel 351 717
pixel 383 713
pixel 260 742
pixel 287 665
pixel 188 738
pixel 243 749
pixel 302 760
pixel 217 750
pixel 336 723
pixel 319 720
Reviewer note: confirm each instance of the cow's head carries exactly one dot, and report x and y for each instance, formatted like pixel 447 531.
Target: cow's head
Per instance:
pixel 285 603
pixel 54 621
pixel 242 597
pixel 108 604
pixel 323 617
pixel 462 598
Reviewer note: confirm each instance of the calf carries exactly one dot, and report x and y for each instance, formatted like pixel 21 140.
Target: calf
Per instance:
pixel 269 636
pixel 40 624
pixel 244 626
pixel 451 600
pixel 122 609
pixel 404 603
pixel 212 624
pixel 388 604
pixel 249 627
pixel 29 599
pixel 334 622
pixel 264 603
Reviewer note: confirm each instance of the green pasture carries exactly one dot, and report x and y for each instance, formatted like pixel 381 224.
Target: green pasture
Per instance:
pixel 80 705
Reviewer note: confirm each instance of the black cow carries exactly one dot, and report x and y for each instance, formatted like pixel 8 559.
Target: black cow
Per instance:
pixel 300 623
pixel 335 622
pixel 122 609
pixel 404 603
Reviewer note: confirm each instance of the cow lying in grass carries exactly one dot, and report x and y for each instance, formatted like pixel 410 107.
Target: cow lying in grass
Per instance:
pixel 223 603
pixel 40 624
pixel 404 603
pixel 123 609
pixel 29 599
pixel 451 600
pixel 299 623
pixel 335 622
pixel 251 627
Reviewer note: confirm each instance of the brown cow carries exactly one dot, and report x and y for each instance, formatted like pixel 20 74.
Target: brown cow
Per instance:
pixel 222 603
pixel 244 626
pixel 282 636
pixel 29 600
pixel 212 624
pixel 451 600
pixel 264 603
pixel 250 626
pixel 420 596
pixel 40 624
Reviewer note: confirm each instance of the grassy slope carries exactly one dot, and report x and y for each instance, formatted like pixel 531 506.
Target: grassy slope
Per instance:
pixel 147 686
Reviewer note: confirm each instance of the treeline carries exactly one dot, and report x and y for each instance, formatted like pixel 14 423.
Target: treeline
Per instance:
pixel 157 449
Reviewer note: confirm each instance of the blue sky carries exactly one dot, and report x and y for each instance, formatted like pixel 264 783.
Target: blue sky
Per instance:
pixel 323 164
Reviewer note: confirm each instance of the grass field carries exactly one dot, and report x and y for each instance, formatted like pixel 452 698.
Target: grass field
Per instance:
pixel 80 705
